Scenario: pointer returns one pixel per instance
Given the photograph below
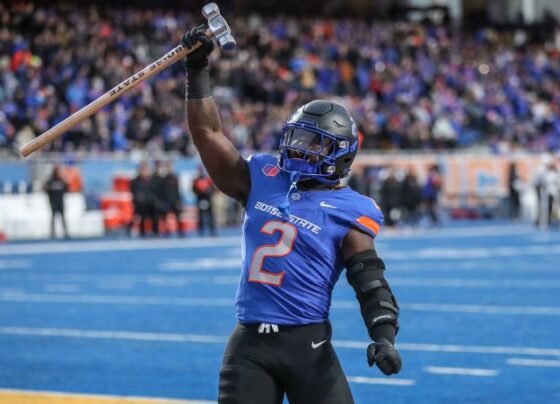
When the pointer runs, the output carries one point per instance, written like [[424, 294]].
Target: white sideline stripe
[[461, 371], [11, 291], [379, 380], [108, 299], [177, 280], [403, 282], [207, 264], [14, 264], [470, 266], [471, 253], [169, 282], [125, 335], [221, 302], [464, 308], [483, 309], [117, 245], [497, 350], [131, 399], [123, 245], [215, 339], [533, 362], [461, 232], [62, 287], [428, 254], [475, 283], [115, 285]]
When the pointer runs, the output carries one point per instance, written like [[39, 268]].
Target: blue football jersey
[[291, 258]]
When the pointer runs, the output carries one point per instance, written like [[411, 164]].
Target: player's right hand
[[385, 356], [198, 58]]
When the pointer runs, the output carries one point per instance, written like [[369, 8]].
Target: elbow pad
[[365, 273]]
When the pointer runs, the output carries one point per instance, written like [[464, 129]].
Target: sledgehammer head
[[218, 26]]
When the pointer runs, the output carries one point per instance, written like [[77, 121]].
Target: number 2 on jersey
[[282, 248]]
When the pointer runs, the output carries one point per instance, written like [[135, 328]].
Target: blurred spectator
[[158, 188], [142, 188], [167, 194], [391, 198], [430, 193], [408, 85], [411, 198], [203, 188], [547, 184], [73, 176], [233, 212], [56, 188], [514, 186], [358, 181]]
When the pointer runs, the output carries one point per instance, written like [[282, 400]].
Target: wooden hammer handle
[[115, 93]]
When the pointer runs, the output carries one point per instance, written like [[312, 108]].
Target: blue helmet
[[320, 142]]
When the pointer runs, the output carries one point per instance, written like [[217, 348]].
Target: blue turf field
[[480, 316]]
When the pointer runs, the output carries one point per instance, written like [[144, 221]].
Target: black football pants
[[262, 362]]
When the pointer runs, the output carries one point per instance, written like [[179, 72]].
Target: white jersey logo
[[318, 344], [326, 205]]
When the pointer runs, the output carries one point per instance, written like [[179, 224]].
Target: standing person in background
[[390, 198], [430, 193], [143, 199], [538, 184], [514, 184], [158, 194], [203, 188], [411, 198], [358, 181], [168, 196], [550, 192], [56, 188]]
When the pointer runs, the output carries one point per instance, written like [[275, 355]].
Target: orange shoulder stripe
[[369, 223]]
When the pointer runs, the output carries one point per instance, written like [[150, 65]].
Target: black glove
[[384, 354], [199, 58]]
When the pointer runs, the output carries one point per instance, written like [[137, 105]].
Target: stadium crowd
[[409, 86]]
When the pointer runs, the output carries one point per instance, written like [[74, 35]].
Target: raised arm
[[222, 160]]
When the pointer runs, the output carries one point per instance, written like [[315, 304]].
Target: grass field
[[108, 319]]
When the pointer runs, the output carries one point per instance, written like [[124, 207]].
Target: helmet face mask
[[307, 143], [319, 142]]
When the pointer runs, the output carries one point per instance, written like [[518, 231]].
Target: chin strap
[[284, 207], [306, 170]]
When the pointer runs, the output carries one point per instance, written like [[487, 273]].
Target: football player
[[300, 230]]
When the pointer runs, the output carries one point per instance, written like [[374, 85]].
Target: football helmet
[[320, 141]]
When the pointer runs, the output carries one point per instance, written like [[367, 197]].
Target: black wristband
[[198, 83]]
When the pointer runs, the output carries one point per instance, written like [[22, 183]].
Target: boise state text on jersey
[[291, 258]]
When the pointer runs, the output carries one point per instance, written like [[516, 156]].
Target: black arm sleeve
[[378, 305]]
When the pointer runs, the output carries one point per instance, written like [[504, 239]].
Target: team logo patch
[[270, 170]]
